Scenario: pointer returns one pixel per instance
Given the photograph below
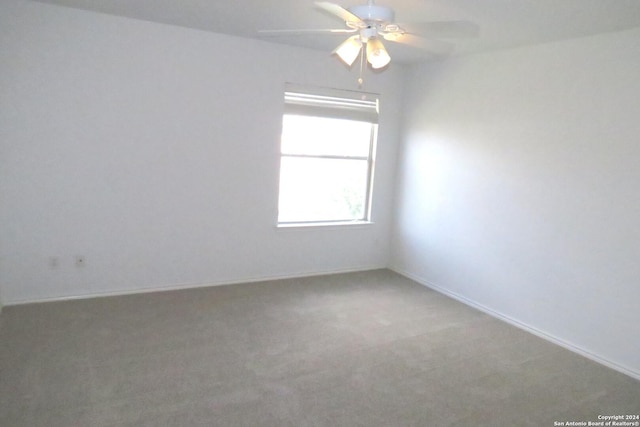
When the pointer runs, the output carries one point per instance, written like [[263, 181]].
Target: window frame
[[349, 105]]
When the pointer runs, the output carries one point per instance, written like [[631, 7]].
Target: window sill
[[325, 225]]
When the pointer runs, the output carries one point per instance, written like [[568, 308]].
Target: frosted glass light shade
[[376, 54], [349, 50]]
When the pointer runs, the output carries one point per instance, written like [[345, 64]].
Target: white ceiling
[[503, 23]]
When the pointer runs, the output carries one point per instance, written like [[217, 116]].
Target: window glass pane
[[316, 189], [325, 136]]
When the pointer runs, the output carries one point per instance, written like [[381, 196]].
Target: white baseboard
[[528, 328], [183, 286]]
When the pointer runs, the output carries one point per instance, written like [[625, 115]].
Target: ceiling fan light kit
[[377, 55], [349, 50], [369, 24]]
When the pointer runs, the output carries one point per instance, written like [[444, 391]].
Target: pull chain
[[360, 79]]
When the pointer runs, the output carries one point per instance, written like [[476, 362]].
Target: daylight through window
[[327, 156]]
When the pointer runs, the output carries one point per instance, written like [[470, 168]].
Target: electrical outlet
[[80, 261]]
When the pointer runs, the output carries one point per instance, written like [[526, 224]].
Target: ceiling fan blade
[[302, 32], [435, 47], [338, 11], [443, 29]]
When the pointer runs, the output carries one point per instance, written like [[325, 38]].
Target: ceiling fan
[[369, 24]]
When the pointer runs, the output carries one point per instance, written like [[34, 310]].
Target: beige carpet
[[361, 349]]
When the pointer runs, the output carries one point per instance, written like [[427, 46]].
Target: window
[[327, 157]]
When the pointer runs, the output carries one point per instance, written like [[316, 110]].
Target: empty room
[[309, 213]]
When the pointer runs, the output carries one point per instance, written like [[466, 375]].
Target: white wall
[[520, 189], [153, 151]]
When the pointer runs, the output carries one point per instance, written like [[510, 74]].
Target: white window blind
[[332, 103]]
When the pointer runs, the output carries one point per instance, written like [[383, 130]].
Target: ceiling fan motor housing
[[371, 12]]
